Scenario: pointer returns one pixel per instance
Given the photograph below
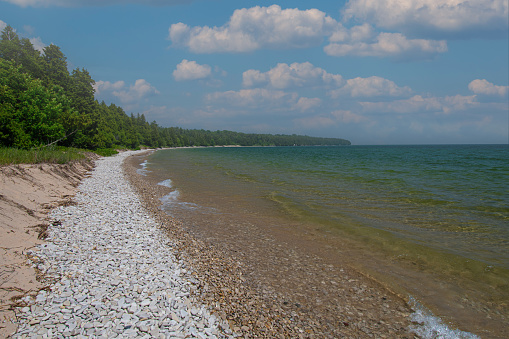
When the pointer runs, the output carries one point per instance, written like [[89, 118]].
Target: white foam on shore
[[143, 170], [170, 198], [167, 183], [171, 203], [428, 326]]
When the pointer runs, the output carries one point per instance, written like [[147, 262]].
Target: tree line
[[42, 103]]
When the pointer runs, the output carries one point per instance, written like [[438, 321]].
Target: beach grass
[[55, 155]]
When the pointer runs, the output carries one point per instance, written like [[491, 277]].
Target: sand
[[27, 193]]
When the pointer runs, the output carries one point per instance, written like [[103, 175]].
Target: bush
[[106, 152]]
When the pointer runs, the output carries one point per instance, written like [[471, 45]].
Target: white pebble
[[113, 267]]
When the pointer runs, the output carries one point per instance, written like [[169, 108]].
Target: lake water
[[439, 214]]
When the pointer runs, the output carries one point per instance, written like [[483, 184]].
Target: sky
[[370, 71]]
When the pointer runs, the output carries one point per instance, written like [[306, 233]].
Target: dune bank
[[27, 194]]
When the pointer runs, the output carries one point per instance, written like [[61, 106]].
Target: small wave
[[429, 326], [168, 183], [173, 206], [143, 170], [170, 198], [171, 202]]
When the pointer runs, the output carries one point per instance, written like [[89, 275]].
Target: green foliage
[[31, 114], [106, 152], [42, 103], [55, 155]]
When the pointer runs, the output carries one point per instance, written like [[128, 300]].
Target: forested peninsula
[[42, 103]]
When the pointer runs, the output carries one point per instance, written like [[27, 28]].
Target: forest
[[42, 103]]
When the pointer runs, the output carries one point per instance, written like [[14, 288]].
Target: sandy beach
[[27, 193]]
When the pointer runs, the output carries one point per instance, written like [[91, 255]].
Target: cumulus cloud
[[190, 70], [258, 27], [250, 29], [139, 90], [307, 104], [424, 17], [418, 104], [335, 118], [300, 75], [254, 98], [370, 87], [136, 92], [2, 25], [485, 87], [394, 45], [289, 76], [83, 3], [101, 86], [38, 44]]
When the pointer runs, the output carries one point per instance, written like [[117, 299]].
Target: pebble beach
[[111, 272], [115, 265]]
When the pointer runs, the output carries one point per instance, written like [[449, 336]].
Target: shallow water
[[432, 216]]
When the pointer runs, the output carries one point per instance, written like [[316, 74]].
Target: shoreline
[[453, 308], [270, 287], [258, 284]]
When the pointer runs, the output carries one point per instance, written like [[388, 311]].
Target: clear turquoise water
[[445, 207]]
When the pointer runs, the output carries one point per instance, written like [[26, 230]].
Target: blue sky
[[371, 71]]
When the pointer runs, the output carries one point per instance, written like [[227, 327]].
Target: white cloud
[[274, 28], [139, 90], [485, 87], [136, 92], [307, 104], [83, 3], [418, 104], [257, 97], [288, 76], [258, 27], [347, 117], [2, 25], [299, 75], [458, 103], [370, 87], [394, 45], [101, 86], [38, 44], [190, 70], [335, 118], [432, 16]]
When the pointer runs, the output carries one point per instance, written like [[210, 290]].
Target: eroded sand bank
[[27, 193]]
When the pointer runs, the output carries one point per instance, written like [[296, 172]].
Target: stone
[[114, 272]]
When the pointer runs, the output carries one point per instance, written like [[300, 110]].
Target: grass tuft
[[54, 155]]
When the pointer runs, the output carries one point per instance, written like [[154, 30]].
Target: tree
[[55, 68], [31, 114]]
